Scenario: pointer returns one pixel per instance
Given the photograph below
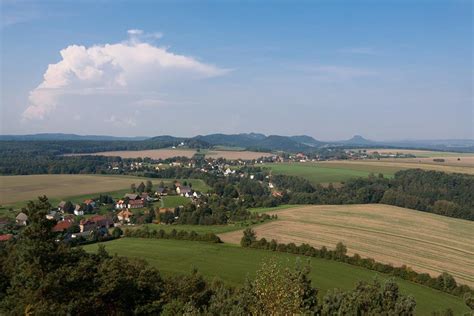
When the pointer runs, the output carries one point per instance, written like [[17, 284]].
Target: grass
[[322, 173], [172, 201], [423, 241], [200, 229], [232, 264]]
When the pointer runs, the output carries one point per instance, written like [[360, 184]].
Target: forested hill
[[253, 141]]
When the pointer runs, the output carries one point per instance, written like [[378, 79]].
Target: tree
[[68, 207], [133, 188], [117, 232], [141, 187], [340, 251], [249, 237], [149, 186]]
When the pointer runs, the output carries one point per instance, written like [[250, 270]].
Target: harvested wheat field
[[236, 154], [425, 242], [20, 188]]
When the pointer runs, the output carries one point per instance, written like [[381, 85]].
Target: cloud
[[131, 66]]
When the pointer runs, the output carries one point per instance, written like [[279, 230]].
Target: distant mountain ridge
[[256, 141], [61, 136]]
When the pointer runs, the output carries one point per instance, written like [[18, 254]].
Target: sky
[[387, 70]]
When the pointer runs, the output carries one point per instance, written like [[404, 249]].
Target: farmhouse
[[61, 206], [136, 204], [182, 190], [53, 215], [62, 226], [89, 202], [21, 219], [161, 191], [125, 216], [78, 211], [97, 221]]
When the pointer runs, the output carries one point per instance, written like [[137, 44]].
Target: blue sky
[[329, 69]]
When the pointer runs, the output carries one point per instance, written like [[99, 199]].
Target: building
[[21, 219], [182, 190], [125, 216], [96, 221], [78, 211], [62, 226]]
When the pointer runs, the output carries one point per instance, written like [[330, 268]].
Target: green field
[[323, 173], [232, 264], [200, 229], [172, 201]]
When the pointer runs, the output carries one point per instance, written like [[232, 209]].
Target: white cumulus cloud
[[113, 68]]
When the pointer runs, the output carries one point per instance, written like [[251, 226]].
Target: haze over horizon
[[321, 69]]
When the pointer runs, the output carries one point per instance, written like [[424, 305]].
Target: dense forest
[[39, 276]]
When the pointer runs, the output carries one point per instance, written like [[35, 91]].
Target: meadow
[[337, 171], [324, 173], [233, 264], [425, 242]]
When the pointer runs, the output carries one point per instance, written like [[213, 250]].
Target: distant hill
[[307, 140], [60, 136], [254, 141], [358, 140]]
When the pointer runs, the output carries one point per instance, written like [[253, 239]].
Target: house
[[61, 206], [96, 221], [89, 202], [161, 191], [21, 219], [136, 204], [78, 211], [132, 196], [146, 197], [182, 190], [125, 216], [5, 237], [120, 205], [62, 226], [53, 215]]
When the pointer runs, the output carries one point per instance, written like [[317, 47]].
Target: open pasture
[[232, 264], [425, 242], [330, 172]]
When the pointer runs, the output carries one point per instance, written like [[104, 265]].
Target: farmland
[[16, 189], [342, 170], [324, 172], [232, 264], [426, 242], [171, 152], [419, 153]]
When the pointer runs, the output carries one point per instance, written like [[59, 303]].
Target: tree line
[[39, 276], [444, 282], [448, 194]]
